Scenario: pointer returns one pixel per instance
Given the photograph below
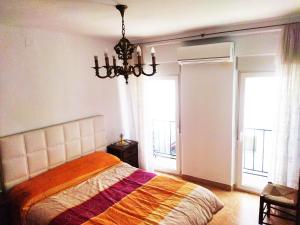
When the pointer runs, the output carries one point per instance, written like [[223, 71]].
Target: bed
[[62, 175]]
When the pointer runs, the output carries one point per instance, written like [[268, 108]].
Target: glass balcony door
[[160, 112], [258, 105]]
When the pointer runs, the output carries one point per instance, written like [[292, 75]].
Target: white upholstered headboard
[[30, 153]]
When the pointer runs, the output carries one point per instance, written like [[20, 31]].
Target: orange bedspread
[[24, 195], [99, 189], [124, 195]]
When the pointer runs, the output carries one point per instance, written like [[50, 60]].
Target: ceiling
[[143, 18]]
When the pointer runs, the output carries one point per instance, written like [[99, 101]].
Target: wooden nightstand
[[127, 153], [3, 210]]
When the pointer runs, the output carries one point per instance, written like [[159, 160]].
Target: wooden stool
[[281, 197]]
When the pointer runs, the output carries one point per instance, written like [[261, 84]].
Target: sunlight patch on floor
[[253, 181], [163, 163]]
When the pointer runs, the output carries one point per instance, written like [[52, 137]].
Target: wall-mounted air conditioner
[[219, 52]]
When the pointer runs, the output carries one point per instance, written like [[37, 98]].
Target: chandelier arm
[[108, 72], [133, 69], [106, 76], [153, 70], [97, 69], [122, 71], [112, 75], [117, 70]]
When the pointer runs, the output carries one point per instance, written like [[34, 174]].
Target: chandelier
[[124, 50]]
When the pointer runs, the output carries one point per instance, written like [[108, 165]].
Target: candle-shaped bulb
[[153, 56], [152, 51], [96, 61], [139, 54], [105, 53], [139, 50], [106, 58], [114, 60]]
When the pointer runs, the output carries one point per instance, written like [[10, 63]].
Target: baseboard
[[197, 180], [236, 188]]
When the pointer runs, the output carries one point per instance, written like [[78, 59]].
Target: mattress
[[116, 193]]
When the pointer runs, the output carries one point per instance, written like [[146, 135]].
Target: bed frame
[[27, 154]]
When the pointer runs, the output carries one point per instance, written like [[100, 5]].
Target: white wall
[[46, 78], [216, 163]]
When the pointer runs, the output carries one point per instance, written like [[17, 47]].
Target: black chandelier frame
[[124, 50]]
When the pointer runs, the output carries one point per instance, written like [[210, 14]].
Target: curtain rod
[[220, 32]]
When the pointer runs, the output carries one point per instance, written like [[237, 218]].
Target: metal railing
[[164, 138], [257, 144]]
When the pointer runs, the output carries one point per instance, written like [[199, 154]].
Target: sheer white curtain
[[286, 155], [133, 119]]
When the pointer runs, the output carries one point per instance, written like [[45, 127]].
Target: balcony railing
[[164, 138], [257, 146]]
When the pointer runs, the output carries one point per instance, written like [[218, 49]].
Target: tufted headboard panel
[[28, 154]]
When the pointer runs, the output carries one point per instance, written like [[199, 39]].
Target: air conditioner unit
[[219, 52]]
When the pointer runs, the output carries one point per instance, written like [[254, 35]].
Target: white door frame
[[241, 102]]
